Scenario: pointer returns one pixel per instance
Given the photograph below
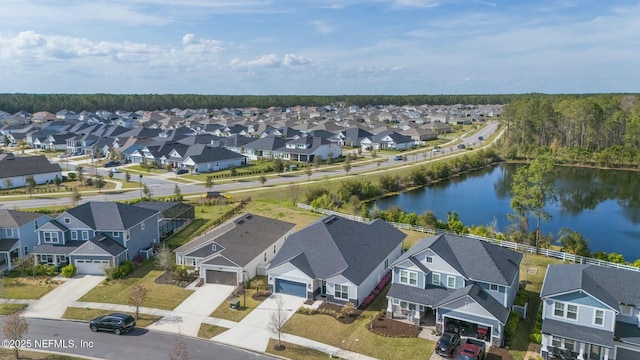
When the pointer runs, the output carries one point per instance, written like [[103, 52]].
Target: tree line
[[32, 103], [600, 130]]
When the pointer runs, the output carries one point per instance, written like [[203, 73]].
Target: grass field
[[224, 312], [159, 296], [208, 331], [14, 286], [88, 314], [8, 309], [295, 352]]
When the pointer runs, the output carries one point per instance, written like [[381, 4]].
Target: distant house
[[388, 140], [338, 259], [14, 170], [96, 235], [590, 312], [214, 159], [237, 250], [18, 235]]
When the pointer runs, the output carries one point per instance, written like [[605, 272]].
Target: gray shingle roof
[[430, 296], [108, 244], [11, 166], [50, 249], [335, 245], [578, 333], [474, 259], [609, 285], [15, 218], [110, 215], [243, 238], [627, 333], [481, 297], [7, 244]]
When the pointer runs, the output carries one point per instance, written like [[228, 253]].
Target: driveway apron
[[186, 318], [255, 326], [55, 303]]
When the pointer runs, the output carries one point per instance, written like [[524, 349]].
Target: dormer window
[[214, 247], [67, 220], [429, 259]]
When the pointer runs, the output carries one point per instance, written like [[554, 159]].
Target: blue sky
[[319, 47]]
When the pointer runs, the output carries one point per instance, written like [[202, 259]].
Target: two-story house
[[96, 235], [18, 234], [590, 312], [465, 285]]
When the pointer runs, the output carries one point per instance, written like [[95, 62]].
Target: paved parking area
[[186, 318]]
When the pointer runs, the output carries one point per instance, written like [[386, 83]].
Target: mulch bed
[[495, 353], [262, 296], [337, 308], [392, 328], [169, 278]]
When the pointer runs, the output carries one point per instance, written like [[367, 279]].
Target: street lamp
[[140, 186]]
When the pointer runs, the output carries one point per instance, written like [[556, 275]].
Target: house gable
[[467, 305]]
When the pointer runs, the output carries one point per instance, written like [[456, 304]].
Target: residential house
[[307, 148], [590, 312], [354, 135], [96, 235], [214, 159], [18, 235], [388, 140], [462, 284], [236, 251], [339, 259], [14, 170]]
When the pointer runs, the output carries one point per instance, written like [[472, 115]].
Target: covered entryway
[[91, 267], [291, 288], [221, 277], [626, 354]]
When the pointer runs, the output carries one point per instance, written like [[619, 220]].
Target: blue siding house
[[590, 312], [18, 235], [96, 235], [464, 285]]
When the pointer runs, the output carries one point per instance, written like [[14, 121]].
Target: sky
[[319, 47]]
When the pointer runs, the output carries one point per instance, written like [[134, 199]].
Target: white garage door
[[92, 267]]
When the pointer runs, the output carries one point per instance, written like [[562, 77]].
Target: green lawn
[[88, 314], [225, 312], [208, 331], [14, 286], [159, 296], [357, 337], [8, 309], [295, 352]]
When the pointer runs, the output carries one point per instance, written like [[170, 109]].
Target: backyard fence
[[507, 244]]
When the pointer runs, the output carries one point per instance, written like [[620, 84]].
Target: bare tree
[[31, 184], [75, 196], [14, 329], [278, 318], [165, 258], [293, 191], [258, 284], [179, 350], [136, 297]]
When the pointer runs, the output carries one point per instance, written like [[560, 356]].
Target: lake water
[[602, 205]]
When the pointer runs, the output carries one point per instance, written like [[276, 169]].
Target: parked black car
[[116, 322], [111, 163], [448, 344], [181, 171]]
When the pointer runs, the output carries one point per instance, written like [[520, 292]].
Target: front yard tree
[[100, 183], [147, 192], [309, 172], [57, 181], [262, 179], [258, 284], [80, 173], [14, 329], [31, 184], [177, 193], [278, 318], [573, 242], [75, 196], [127, 176], [278, 165], [208, 182], [165, 258], [136, 297], [233, 171], [347, 167]]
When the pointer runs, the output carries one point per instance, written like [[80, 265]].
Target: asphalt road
[[75, 338], [163, 187]]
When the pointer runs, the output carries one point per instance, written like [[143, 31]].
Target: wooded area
[[601, 130]]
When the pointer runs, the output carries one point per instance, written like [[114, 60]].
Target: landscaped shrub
[[119, 272], [69, 271], [511, 326], [306, 311], [45, 269], [521, 298]]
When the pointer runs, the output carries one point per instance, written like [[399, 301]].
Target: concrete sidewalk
[[255, 326], [55, 303], [187, 317]]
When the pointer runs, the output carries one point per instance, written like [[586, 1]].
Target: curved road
[[163, 187], [75, 338]]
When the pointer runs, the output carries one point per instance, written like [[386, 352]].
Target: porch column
[[8, 257], [543, 343], [35, 260], [606, 353], [581, 351]]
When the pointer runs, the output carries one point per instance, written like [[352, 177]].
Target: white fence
[[508, 244]]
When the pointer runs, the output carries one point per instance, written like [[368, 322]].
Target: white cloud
[[270, 61], [417, 3], [294, 60], [322, 27]]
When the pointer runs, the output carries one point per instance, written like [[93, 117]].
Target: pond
[[602, 205]]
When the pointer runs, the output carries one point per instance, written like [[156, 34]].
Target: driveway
[[55, 303], [255, 326], [186, 318]]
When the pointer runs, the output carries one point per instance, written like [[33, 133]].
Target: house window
[[116, 234], [85, 235], [50, 238], [409, 277], [598, 317], [386, 264], [265, 256], [626, 310], [342, 292], [67, 220], [565, 310], [429, 259], [74, 235], [274, 249], [142, 225], [35, 224], [9, 232], [556, 342], [572, 312], [494, 287], [435, 279], [451, 281], [127, 235], [558, 309], [569, 344]]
